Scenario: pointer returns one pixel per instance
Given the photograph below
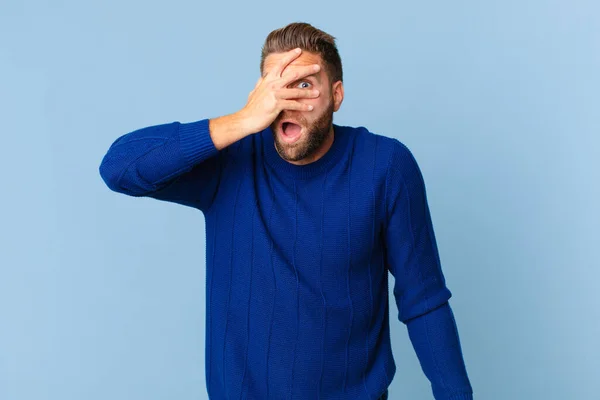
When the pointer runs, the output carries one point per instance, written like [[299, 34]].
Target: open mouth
[[291, 131]]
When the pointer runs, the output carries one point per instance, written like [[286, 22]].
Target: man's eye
[[303, 83]]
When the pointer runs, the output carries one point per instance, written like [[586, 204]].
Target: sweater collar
[[323, 164]]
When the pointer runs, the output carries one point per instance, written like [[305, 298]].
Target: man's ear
[[338, 95]]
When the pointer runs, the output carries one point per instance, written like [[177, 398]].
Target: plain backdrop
[[102, 295]]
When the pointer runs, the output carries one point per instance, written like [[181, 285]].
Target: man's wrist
[[228, 129]]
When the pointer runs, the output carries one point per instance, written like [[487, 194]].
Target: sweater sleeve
[[419, 285], [175, 162], [434, 336], [411, 249]]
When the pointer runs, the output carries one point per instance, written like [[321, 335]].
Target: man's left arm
[[420, 288]]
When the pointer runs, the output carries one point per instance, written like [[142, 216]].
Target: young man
[[303, 220]]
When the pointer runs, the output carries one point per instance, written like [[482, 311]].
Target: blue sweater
[[297, 260]]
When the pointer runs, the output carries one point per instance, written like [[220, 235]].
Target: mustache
[[296, 118]]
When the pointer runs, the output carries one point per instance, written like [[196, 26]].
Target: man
[[303, 220]]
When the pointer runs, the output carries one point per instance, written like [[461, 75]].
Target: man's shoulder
[[389, 148]]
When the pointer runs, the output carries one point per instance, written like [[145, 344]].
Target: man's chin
[[289, 151]]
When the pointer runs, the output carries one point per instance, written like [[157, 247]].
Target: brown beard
[[316, 134]]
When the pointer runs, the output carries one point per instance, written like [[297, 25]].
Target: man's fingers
[[283, 63], [295, 105], [287, 94], [299, 73]]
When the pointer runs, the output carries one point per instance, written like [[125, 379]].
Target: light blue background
[[102, 295]]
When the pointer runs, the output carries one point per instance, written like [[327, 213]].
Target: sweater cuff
[[196, 142], [461, 396]]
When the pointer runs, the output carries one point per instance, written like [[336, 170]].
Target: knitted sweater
[[297, 260]]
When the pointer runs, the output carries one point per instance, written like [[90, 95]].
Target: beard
[[315, 134]]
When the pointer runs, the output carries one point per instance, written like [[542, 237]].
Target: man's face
[[315, 126]]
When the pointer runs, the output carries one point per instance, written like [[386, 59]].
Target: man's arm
[[182, 163], [434, 337], [174, 162], [420, 288]]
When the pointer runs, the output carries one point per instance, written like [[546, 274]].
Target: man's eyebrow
[[315, 75]]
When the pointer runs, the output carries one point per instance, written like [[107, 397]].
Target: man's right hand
[[269, 97], [271, 94]]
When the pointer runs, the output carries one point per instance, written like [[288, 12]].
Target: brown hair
[[308, 38]]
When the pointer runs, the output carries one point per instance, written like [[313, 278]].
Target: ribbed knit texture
[[297, 260]]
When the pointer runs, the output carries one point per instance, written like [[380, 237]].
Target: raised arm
[[177, 162], [182, 162], [420, 289]]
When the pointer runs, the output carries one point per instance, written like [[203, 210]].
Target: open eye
[[308, 83]]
